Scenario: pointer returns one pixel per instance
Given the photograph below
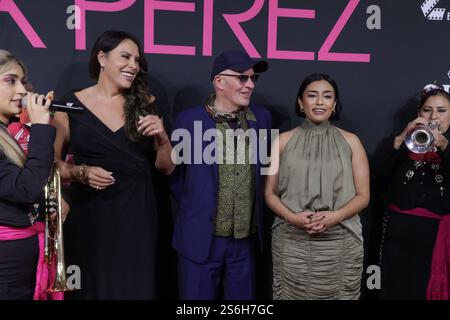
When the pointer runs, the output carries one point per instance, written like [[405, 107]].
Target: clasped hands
[[314, 222]]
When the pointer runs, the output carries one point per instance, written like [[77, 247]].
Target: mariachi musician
[[23, 273]]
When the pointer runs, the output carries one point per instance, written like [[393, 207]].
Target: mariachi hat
[[238, 61]]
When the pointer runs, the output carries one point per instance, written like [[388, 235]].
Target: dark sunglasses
[[243, 78]]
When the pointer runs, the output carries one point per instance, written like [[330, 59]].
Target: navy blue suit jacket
[[195, 186]]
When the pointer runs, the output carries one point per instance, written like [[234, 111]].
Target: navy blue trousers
[[230, 265]]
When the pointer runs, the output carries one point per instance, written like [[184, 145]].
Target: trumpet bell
[[420, 139]]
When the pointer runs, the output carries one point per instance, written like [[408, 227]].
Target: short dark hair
[[318, 77]]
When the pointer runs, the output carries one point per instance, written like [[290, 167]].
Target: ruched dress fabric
[[316, 174]]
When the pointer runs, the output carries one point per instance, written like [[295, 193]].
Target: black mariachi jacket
[[409, 183]]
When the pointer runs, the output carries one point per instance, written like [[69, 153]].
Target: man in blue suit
[[218, 183]]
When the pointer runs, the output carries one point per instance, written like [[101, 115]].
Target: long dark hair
[[138, 101], [318, 77]]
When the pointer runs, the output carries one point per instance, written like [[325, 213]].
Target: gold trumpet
[[54, 245]]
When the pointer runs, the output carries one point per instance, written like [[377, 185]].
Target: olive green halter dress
[[316, 174]]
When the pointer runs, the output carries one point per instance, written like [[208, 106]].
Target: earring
[[302, 110], [102, 67]]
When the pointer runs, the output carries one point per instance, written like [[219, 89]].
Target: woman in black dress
[[413, 252], [116, 142], [22, 180]]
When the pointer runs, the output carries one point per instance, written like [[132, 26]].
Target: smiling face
[[12, 90], [437, 108], [318, 101], [121, 65], [231, 92]]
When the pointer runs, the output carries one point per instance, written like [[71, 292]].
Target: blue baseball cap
[[238, 61]]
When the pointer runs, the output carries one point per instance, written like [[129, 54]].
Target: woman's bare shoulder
[[285, 137], [352, 139], [85, 93]]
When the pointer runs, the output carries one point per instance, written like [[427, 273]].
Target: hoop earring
[[102, 67], [302, 110]]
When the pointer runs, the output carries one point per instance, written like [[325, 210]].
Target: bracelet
[[80, 174]]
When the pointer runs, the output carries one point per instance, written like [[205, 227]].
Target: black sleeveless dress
[[110, 234]]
